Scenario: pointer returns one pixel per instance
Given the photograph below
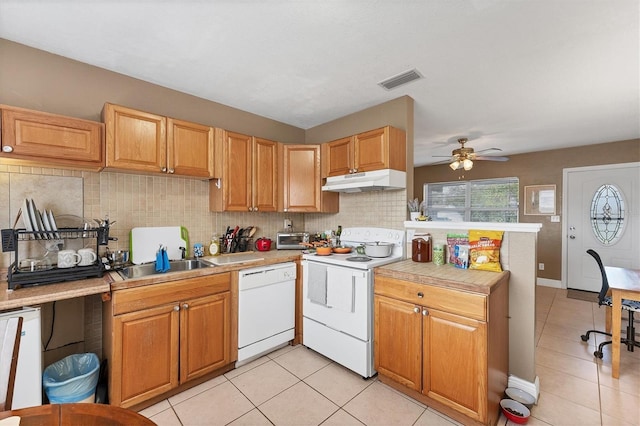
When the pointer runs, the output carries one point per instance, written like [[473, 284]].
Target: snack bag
[[461, 252], [452, 240], [485, 250]]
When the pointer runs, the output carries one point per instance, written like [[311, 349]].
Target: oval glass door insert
[[607, 214]]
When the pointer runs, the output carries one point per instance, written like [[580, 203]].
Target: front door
[[602, 212]]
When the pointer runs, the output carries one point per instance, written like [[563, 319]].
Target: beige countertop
[[30, 296], [442, 275]]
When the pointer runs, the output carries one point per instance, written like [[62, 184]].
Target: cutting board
[[145, 241]]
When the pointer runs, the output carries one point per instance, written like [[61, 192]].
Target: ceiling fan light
[[467, 164], [454, 165]]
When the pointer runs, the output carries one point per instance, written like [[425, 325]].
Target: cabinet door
[[338, 157], [42, 137], [265, 176], [455, 354], [398, 341], [236, 178], [301, 169], [189, 149], [136, 140], [205, 332], [145, 354], [371, 150]]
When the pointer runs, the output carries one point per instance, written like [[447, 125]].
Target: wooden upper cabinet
[[338, 157], [146, 142], [302, 183], [265, 175], [136, 140], [249, 178], [42, 138], [189, 148], [384, 148]]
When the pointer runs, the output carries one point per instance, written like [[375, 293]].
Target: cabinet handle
[[176, 308], [425, 312], [185, 306], [7, 148], [420, 294], [416, 310]]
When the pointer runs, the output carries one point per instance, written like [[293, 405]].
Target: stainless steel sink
[[139, 271]]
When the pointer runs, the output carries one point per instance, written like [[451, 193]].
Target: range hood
[[367, 181]]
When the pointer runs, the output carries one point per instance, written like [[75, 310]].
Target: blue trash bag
[[72, 379]]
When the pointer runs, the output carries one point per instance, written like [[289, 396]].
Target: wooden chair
[[10, 331]]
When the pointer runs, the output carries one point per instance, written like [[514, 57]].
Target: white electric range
[[337, 303]]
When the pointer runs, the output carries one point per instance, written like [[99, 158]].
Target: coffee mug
[[68, 258], [87, 256]]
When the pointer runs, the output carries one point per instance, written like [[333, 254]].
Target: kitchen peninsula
[[441, 336], [518, 256]]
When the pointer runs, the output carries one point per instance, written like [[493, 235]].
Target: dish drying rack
[[12, 238]]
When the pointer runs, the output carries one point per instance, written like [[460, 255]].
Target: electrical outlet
[[540, 266], [287, 224]]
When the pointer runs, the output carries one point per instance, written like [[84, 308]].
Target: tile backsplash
[[133, 200]]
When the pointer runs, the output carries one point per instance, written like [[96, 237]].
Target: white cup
[[68, 258], [87, 256]]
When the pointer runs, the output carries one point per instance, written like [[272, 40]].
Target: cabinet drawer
[[134, 299], [453, 301]]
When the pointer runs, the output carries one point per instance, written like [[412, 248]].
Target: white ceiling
[[517, 75]]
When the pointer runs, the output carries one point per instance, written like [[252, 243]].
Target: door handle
[[573, 237]]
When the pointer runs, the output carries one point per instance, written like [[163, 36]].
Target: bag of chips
[[484, 247]]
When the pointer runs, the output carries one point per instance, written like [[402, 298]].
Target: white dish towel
[[317, 284], [340, 289]]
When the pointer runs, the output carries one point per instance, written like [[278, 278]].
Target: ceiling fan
[[463, 157]]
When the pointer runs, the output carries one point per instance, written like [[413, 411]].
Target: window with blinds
[[487, 200]]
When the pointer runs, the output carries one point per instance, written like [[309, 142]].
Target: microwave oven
[[291, 240]]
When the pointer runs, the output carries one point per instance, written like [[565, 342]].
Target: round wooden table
[[77, 414]]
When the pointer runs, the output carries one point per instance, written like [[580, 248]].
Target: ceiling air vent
[[400, 79]]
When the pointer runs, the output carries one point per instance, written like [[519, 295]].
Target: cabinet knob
[[185, 306], [255, 209], [416, 310], [420, 294], [250, 209], [7, 148], [171, 171], [425, 312], [350, 170], [163, 170], [176, 308]]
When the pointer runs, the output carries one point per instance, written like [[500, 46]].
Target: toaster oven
[[291, 240]]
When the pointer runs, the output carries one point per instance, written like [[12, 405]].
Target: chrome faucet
[[184, 252]]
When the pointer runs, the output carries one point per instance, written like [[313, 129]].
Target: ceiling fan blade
[[488, 150], [441, 156], [492, 158]]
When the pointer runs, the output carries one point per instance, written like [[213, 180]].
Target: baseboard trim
[[522, 384], [546, 282]]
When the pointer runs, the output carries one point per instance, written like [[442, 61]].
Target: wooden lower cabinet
[[161, 336], [445, 359]]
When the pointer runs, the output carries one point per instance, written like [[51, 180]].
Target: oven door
[[338, 297]]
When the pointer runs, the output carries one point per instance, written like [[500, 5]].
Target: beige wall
[[537, 168], [32, 78]]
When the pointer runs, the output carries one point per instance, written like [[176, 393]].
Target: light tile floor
[[297, 386]]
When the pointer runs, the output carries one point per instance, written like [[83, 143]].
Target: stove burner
[[358, 258]]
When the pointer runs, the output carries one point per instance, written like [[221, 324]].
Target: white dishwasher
[[266, 309]]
